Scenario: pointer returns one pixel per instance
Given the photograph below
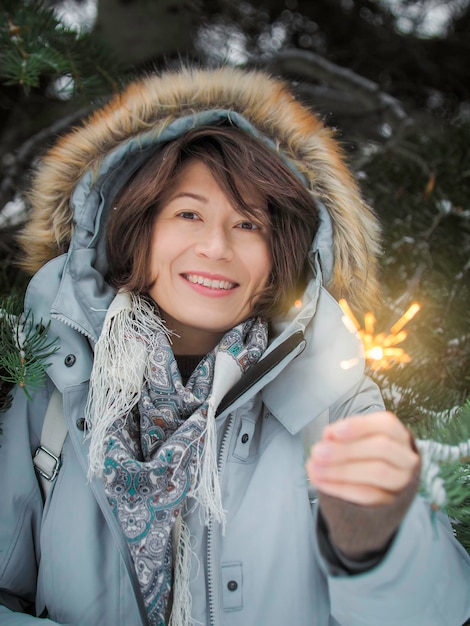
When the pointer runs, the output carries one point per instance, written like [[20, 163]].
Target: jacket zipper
[[284, 349], [211, 596], [68, 322]]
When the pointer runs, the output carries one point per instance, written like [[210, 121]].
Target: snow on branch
[[339, 82], [19, 162]]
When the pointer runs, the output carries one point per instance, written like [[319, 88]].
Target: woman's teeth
[[207, 282]]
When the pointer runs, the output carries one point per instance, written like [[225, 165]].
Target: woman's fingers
[[372, 448], [365, 495], [373, 473], [360, 426], [366, 459]]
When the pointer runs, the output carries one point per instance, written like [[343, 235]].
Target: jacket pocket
[[232, 586]]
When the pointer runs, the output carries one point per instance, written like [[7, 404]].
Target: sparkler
[[380, 350]]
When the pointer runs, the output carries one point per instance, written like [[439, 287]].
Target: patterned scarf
[[153, 440]]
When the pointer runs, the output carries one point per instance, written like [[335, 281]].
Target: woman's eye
[[248, 226], [188, 215]]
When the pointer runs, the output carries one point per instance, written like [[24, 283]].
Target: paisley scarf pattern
[[159, 454]]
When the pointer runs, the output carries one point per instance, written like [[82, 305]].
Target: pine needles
[[446, 469], [36, 47], [24, 350]]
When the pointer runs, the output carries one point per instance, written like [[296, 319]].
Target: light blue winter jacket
[[69, 560]]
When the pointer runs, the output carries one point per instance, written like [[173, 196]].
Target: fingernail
[[322, 451], [342, 428]]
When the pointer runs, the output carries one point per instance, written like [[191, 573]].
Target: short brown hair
[[239, 162]]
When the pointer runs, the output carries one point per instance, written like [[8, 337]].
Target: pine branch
[[24, 349], [445, 474], [314, 68], [36, 46], [24, 155]]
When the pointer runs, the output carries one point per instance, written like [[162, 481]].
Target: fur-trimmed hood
[[159, 105]]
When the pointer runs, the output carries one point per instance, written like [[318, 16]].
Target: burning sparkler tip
[[378, 348]]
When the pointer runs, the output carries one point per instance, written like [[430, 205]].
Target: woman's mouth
[[211, 283]]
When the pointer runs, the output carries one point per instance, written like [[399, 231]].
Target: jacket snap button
[[245, 438], [80, 423], [232, 585], [70, 360]]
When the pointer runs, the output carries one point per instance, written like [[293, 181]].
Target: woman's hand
[[366, 470], [365, 459]]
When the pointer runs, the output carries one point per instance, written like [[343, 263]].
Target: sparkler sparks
[[380, 350]]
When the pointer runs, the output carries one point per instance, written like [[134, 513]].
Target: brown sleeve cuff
[[338, 563]]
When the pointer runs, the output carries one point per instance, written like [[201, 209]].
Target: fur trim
[[152, 103]]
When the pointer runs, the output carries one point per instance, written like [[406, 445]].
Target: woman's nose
[[214, 243]]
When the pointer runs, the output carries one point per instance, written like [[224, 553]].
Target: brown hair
[[238, 162]]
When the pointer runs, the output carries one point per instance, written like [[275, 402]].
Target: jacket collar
[[321, 358], [330, 367]]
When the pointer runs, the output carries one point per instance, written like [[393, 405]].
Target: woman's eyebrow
[[190, 194]]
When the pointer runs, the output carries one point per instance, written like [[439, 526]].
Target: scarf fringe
[[182, 601], [207, 491], [119, 368]]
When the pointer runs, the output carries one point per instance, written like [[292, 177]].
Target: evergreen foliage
[[36, 47], [24, 350], [446, 469]]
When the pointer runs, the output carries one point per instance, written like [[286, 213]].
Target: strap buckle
[[47, 466]]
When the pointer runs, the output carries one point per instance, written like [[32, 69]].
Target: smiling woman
[[201, 228]]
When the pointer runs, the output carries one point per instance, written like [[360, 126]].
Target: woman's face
[[208, 262]]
